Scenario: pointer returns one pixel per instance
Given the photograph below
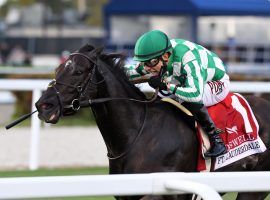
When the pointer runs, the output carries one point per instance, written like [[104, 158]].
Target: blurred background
[[37, 35]]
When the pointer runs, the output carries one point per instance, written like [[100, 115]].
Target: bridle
[[76, 103]]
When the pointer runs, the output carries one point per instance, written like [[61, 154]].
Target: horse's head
[[72, 83], [86, 75]]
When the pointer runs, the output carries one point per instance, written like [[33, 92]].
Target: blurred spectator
[[28, 59], [4, 52], [64, 56], [18, 57]]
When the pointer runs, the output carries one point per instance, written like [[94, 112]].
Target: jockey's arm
[[137, 74], [194, 83]]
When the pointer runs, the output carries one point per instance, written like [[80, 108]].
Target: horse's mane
[[116, 62]]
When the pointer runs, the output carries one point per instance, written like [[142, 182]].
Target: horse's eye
[[78, 72], [68, 63]]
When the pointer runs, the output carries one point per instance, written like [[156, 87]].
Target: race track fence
[[206, 185], [38, 85]]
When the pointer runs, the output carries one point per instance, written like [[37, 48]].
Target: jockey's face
[[154, 66]]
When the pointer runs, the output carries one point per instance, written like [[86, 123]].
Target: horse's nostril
[[46, 106]]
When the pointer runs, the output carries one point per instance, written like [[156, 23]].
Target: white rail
[[205, 185], [37, 85]]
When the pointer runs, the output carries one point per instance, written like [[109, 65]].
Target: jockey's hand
[[155, 82]]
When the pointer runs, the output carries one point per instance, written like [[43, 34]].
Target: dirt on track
[[58, 147]]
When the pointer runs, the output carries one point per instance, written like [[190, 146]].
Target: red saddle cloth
[[234, 116]]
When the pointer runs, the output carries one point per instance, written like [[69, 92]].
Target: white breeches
[[216, 91]]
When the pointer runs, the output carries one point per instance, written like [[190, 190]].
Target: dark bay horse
[[140, 137]]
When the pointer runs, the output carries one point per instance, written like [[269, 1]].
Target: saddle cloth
[[234, 116]]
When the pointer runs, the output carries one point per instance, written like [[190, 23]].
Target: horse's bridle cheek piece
[[75, 103]]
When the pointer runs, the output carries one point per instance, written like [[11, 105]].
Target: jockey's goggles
[[151, 63]]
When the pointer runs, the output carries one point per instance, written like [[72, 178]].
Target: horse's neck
[[120, 120]]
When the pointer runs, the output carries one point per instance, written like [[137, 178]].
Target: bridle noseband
[[75, 104]]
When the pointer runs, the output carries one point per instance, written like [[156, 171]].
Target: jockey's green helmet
[[151, 45]]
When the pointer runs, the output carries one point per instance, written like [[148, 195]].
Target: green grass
[[75, 171], [55, 172]]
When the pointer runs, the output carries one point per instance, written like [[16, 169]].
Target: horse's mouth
[[54, 118], [50, 115]]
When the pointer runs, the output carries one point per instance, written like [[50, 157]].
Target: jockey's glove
[[155, 82]]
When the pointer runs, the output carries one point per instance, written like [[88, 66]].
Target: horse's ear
[[86, 48], [98, 50]]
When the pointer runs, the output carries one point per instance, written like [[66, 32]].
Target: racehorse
[[141, 135]]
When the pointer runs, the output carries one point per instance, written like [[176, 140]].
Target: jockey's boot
[[201, 115]]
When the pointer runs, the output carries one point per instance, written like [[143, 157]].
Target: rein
[[76, 104], [109, 154], [91, 102]]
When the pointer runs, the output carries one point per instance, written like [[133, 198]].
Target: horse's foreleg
[[252, 196]]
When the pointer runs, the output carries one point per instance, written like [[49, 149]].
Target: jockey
[[189, 72]]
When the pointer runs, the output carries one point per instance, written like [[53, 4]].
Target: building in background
[[237, 33]]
